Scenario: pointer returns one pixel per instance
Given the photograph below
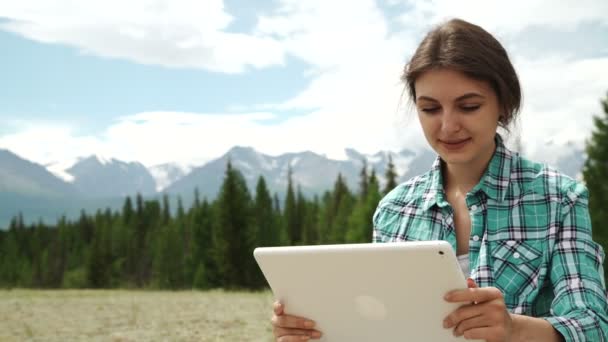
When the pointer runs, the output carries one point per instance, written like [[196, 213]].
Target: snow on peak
[[59, 170], [166, 174], [103, 160]]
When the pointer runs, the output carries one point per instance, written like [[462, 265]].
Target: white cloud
[[355, 61], [561, 97], [509, 16], [46, 142], [176, 33]]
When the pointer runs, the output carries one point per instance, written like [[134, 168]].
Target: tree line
[[210, 244], [146, 244]]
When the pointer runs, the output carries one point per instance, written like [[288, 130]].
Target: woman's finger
[[289, 321], [278, 308], [461, 314], [293, 338], [472, 323], [473, 295], [282, 332], [484, 333]]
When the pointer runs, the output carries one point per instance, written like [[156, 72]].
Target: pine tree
[[267, 232], [342, 203], [301, 213], [291, 216], [595, 172], [166, 210], [197, 199], [201, 281], [202, 240], [325, 218], [391, 175], [281, 227], [169, 261], [310, 220], [360, 222], [98, 267], [233, 233], [127, 211], [363, 181]]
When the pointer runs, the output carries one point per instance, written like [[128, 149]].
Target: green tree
[[98, 267], [202, 235], [341, 205], [293, 225], [363, 181], [166, 210], [360, 223], [595, 172], [169, 261], [233, 234], [310, 231], [265, 223], [390, 175]]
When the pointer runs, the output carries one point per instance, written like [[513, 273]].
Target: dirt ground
[[124, 315]]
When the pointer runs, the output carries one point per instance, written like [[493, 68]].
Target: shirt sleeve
[[580, 307], [377, 235]]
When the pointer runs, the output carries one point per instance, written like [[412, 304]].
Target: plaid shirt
[[530, 238]]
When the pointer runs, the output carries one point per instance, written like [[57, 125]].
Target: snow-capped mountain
[[312, 172], [20, 176], [166, 174], [95, 182], [100, 177]]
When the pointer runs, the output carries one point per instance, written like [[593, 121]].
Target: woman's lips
[[454, 145]]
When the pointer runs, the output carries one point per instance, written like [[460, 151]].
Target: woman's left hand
[[484, 317]]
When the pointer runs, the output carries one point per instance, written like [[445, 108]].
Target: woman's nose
[[450, 122]]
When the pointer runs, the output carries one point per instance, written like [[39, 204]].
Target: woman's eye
[[430, 109], [470, 108]]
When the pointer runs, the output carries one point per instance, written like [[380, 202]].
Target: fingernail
[[304, 338], [447, 296], [309, 324], [316, 334], [446, 323]]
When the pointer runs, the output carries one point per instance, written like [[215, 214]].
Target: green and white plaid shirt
[[530, 237]]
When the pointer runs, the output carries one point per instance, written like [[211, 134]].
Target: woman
[[521, 230]]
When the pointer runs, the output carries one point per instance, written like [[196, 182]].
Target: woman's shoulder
[[541, 178], [412, 190]]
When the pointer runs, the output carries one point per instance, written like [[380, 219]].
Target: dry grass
[[121, 315]]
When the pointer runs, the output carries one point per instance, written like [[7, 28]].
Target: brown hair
[[468, 48]]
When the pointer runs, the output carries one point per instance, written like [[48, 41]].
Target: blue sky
[[183, 81]]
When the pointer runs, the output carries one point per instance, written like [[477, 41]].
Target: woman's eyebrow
[[468, 96], [459, 98]]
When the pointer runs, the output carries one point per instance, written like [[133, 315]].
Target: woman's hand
[[484, 317], [289, 328]]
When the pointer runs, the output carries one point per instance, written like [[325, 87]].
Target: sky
[[184, 80]]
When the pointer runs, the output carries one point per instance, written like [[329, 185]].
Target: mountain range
[[45, 193]]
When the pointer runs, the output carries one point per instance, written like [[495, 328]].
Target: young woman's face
[[459, 115]]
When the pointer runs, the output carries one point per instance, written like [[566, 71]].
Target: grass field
[[123, 315]]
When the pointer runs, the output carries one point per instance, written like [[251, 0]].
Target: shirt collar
[[494, 182]]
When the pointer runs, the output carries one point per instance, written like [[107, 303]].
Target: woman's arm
[[579, 310], [527, 328]]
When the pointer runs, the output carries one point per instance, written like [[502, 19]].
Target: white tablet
[[367, 292]]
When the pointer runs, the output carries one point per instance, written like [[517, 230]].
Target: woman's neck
[[461, 178]]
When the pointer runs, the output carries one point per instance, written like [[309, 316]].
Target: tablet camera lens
[[440, 252]]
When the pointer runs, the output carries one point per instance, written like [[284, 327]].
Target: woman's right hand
[[289, 328]]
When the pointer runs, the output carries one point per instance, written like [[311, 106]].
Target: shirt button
[[473, 207], [516, 255], [476, 238]]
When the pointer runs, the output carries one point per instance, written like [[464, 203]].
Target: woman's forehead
[[448, 84]]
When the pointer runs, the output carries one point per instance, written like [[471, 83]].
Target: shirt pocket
[[516, 265]]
